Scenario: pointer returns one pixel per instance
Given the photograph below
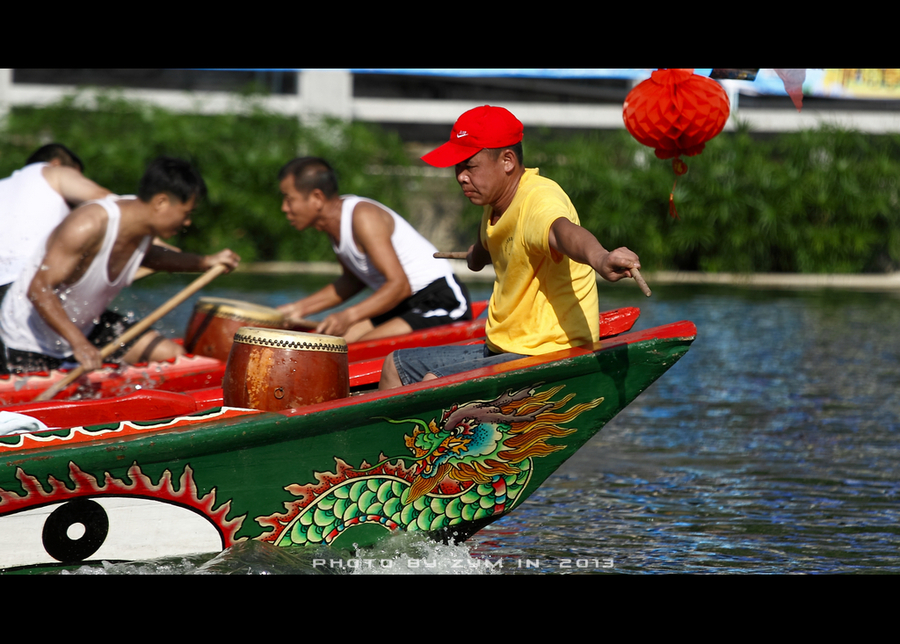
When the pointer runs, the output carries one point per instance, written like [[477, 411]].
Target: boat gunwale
[[627, 338]]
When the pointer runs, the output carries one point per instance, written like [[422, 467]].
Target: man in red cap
[[545, 293]]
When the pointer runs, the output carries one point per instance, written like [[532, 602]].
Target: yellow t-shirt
[[542, 300]]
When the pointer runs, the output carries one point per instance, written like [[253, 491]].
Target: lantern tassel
[[672, 211], [680, 167]]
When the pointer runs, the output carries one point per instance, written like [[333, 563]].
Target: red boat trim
[[684, 330], [86, 434]]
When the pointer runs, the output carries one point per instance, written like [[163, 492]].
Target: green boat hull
[[445, 458]]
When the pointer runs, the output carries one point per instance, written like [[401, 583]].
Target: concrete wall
[[330, 93]]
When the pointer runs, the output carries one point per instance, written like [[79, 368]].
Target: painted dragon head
[[479, 440]]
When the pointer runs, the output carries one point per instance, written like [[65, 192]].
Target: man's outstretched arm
[[580, 244]]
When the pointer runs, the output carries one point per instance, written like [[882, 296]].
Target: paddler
[[55, 311], [34, 200], [376, 248], [545, 292]]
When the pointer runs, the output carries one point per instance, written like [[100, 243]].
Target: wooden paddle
[[635, 273], [143, 272], [137, 329]]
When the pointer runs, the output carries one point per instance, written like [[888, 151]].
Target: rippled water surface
[[771, 447]]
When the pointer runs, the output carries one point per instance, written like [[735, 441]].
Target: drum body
[[215, 320], [270, 369]]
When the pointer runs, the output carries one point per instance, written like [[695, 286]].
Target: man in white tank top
[[377, 249], [34, 199], [88, 259]]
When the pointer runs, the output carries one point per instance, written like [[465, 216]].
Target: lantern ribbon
[[680, 167]]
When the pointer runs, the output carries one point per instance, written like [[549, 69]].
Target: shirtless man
[[377, 248], [59, 300], [34, 199]]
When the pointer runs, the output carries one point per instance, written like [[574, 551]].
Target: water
[[771, 447]]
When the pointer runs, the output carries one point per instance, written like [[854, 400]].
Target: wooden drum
[[272, 369], [215, 321]]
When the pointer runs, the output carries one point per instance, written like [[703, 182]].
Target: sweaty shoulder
[[85, 226], [74, 243]]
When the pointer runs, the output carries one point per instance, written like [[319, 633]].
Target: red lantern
[[676, 112]]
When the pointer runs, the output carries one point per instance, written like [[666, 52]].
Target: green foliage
[[239, 156], [812, 201]]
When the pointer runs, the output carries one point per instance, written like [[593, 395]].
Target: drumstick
[[635, 273], [138, 328]]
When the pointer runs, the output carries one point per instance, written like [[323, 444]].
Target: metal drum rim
[[290, 340]]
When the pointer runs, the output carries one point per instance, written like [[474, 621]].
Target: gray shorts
[[413, 364]]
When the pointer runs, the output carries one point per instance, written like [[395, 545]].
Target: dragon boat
[[445, 457]]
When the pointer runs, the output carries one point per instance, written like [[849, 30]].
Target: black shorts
[[111, 326], [434, 305]]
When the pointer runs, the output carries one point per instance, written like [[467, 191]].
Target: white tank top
[[416, 254], [29, 209], [22, 328]]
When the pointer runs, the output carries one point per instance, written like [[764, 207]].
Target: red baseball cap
[[479, 128]]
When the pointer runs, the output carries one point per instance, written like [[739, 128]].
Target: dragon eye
[[464, 427], [110, 528], [75, 530]]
